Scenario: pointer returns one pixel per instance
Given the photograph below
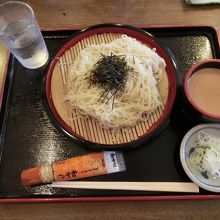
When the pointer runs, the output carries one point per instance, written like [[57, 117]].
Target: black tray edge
[[3, 94]]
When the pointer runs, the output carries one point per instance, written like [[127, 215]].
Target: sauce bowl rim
[[189, 73]]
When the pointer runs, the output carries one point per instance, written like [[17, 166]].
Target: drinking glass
[[20, 32]]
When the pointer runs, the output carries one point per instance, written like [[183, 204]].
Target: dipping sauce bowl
[[201, 98]]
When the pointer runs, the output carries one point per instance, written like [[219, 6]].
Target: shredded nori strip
[[110, 73]]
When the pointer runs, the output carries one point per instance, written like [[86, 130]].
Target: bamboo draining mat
[[88, 128]]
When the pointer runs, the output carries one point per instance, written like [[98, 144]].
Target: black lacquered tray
[[29, 138]]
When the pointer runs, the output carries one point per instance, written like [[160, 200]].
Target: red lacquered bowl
[[192, 108], [87, 132]]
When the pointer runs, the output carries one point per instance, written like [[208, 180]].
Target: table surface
[[83, 13]]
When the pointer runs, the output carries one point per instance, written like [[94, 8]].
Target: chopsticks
[[142, 186]]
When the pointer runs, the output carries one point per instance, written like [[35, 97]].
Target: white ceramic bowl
[[186, 148]]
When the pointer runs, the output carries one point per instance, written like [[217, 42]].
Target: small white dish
[[186, 148]]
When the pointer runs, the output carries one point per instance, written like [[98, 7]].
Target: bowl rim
[[189, 73], [184, 163], [146, 38]]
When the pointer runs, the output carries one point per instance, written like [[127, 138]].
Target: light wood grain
[[134, 210], [82, 13], [53, 13], [3, 62]]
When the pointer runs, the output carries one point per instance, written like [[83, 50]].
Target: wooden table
[[70, 13]]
